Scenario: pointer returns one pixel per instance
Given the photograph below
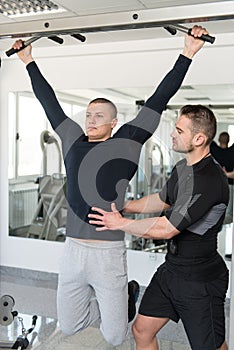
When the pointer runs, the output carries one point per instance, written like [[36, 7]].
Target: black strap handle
[[34, 321]]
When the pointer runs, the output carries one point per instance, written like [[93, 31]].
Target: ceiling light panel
[[20, 8]]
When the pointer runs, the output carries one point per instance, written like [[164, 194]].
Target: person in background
[[191, 284], [93, 274], [229, 174], [225, 157]]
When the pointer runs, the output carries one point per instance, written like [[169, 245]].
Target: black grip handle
[[78, 36], [171, 30], [204, 37], [56, 38], [11, 51]]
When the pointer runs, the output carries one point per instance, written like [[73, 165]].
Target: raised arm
[[147, 120], [173, 80], [42, 89]]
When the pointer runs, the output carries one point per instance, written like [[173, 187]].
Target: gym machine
[[7, 317]]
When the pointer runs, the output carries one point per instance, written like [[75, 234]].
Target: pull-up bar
[[171, 28]]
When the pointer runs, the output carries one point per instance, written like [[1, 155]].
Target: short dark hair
[[105, 100], [224, 137], [203, 120]]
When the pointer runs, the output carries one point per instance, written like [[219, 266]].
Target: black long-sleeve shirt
[[98, 173]]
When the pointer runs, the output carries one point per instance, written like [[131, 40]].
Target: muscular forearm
[[149, 204], [154, 228]]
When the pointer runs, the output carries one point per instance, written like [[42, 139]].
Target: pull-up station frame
[[164, 18]]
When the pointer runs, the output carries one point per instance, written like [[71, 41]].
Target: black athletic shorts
[[199, 305]]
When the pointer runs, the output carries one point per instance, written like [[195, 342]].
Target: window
[[231, 134], [27, 121], [31, 122]]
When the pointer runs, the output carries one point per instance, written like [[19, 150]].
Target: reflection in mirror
[[37, 180], [37, 205]]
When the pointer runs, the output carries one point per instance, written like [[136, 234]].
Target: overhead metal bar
[[172, 29], [212, 106], [120, 21]]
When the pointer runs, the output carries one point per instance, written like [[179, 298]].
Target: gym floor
[[35, 294]]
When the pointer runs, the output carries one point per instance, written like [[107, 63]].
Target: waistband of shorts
[[97, 244]]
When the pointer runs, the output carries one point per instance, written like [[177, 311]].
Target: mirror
[[37, 179]]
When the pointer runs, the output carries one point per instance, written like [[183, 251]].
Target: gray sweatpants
[[93, 286]]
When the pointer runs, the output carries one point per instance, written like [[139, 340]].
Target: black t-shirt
[[224, 156], [198, 196]]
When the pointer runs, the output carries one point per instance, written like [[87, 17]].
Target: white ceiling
[[216, 15], [218, 97], [88, 14]]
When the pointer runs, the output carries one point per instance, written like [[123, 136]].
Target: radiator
[[22, 205]]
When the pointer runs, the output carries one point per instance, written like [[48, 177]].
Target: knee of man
[[114, 339], [137, 330]]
